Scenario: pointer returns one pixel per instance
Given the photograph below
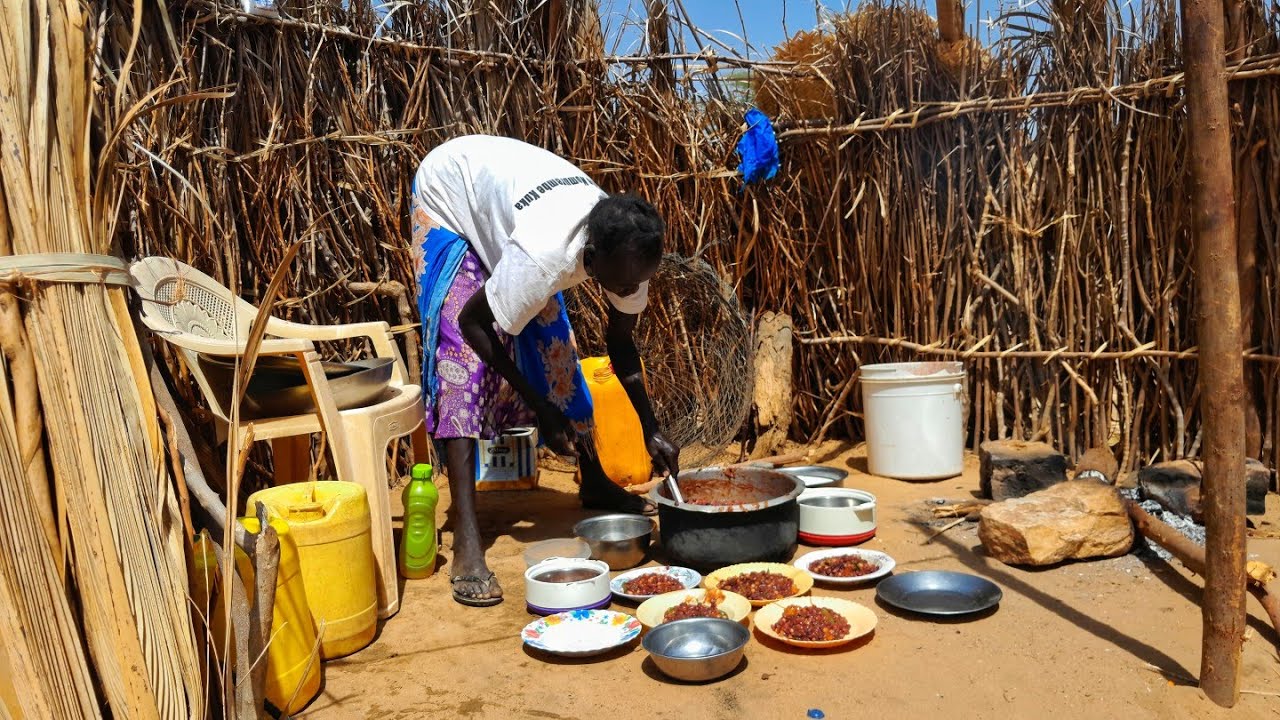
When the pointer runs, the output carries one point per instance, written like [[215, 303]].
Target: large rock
[[1097, 461], [1013, 468], [1176, 486], [1069, 521]]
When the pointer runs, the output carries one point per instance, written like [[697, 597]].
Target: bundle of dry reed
[[43, 670], [116, 515]]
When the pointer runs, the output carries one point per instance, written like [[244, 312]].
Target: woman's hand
[[477, 324], [665, 454], [555, 429]]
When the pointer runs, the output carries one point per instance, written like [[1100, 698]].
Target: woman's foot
[[473, 582], [477, 590]]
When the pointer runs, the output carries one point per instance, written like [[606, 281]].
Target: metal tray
[[939, 592]]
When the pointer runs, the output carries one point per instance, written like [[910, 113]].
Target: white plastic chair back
[[185, 300], [180, 302]]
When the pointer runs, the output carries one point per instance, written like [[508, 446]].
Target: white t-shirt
[[524, 212]]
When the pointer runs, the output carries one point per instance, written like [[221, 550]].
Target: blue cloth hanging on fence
[[758, 148]]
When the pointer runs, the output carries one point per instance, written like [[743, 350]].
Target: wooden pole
[[1221, 364], [1241, 32], [663, 74], [951, 20]]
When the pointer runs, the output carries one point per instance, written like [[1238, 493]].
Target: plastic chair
[[200, 316]]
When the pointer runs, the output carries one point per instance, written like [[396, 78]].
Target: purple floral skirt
[[472, 400]]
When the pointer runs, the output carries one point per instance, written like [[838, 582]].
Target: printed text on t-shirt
[[542, 188]]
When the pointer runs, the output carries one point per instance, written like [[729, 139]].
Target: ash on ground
[[1184, 525]]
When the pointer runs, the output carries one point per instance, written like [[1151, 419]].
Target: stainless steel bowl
[[698, 649], [621, 540]]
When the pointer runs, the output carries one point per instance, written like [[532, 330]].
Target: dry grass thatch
[[95, 570], [1022, 200]]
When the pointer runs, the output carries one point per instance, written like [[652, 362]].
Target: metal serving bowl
[[620, 539], [698, 649]]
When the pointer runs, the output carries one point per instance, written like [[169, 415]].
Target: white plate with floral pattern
[[581, 633]]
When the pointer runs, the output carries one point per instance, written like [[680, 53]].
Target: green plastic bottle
[[418, 540]]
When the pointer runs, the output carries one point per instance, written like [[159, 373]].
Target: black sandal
[[474, 601]]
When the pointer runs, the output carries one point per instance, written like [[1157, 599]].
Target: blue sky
[[766, 22]]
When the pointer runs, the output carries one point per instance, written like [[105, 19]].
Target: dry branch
[[1193, 557]]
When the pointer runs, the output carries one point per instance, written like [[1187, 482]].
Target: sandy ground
[[1081, 640]]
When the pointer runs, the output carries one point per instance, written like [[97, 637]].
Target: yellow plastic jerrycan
[[293, 671], [329, 521], [618, 435], [206, 592]]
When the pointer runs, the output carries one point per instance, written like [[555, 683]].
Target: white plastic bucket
[[914, 415]]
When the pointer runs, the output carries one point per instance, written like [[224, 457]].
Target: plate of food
[[581, 633], [698, 602], [760, 582], [815, 622], [643, 583], [845, 566]]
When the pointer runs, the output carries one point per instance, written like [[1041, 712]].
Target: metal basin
[[278, 388], [698, 649], [763, 527], [621, 540]]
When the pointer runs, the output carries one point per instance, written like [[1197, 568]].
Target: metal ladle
[[674, 488]]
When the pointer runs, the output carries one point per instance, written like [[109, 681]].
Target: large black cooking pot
[[761, 527]]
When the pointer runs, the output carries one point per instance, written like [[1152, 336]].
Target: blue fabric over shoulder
[[442, 256], [758, 148]]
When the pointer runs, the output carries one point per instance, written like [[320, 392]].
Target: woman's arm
[[476, 321], [620, 341]]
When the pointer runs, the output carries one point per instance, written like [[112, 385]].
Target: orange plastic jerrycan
[[618, 435], [329, 521], [293, 669]]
